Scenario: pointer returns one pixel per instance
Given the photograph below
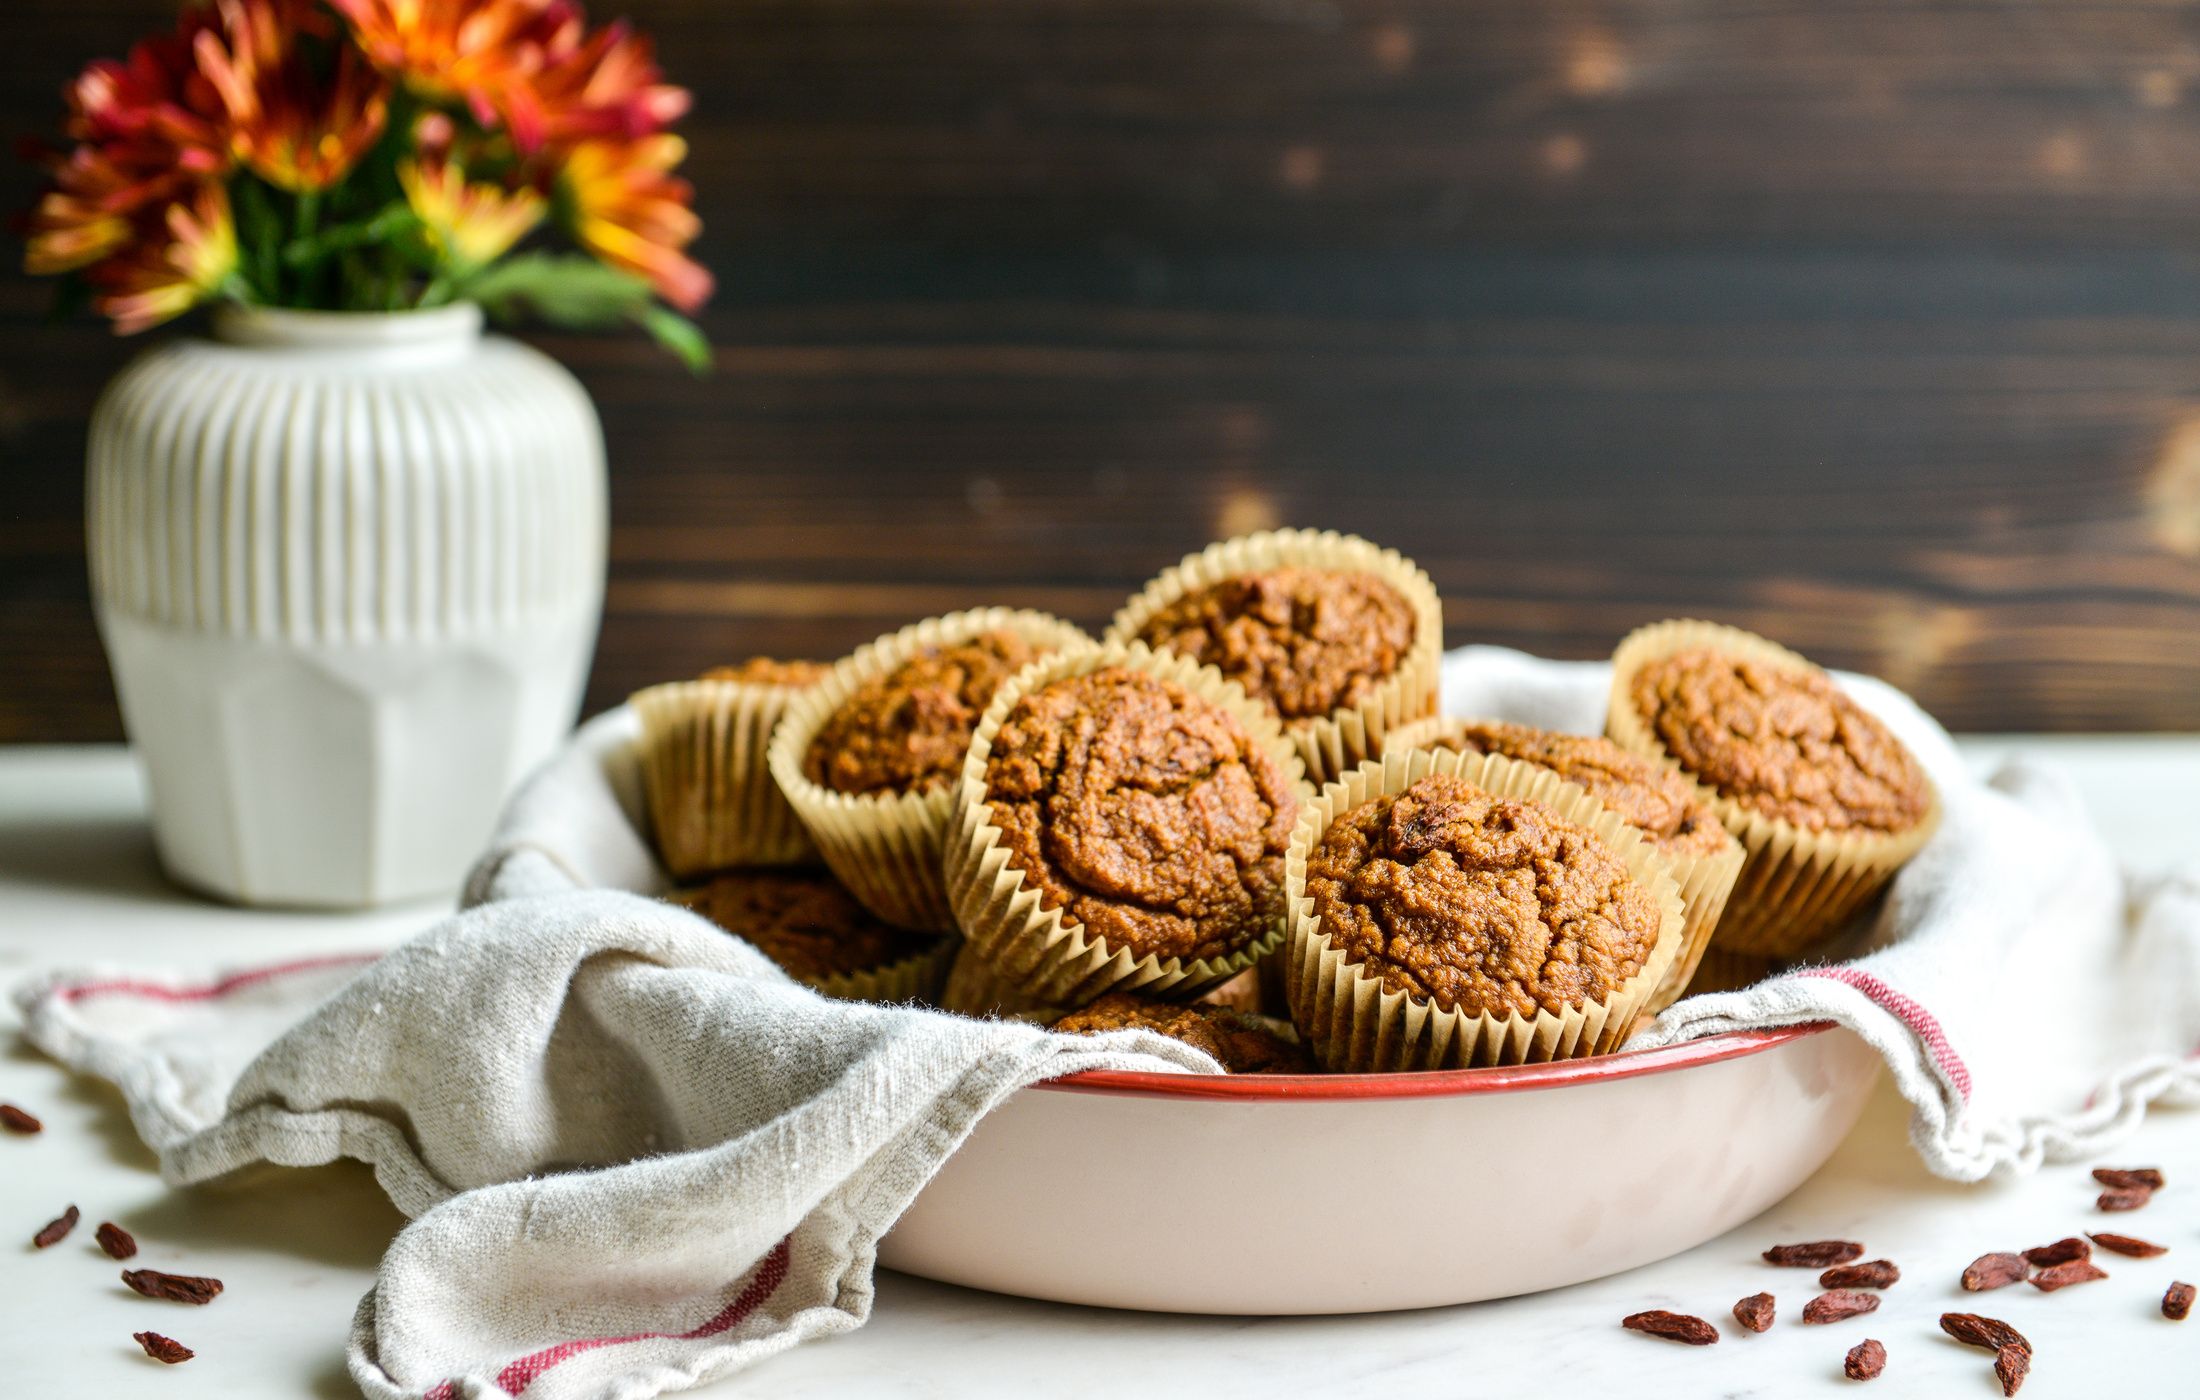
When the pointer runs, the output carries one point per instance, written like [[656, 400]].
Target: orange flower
[[471, 224], [293, 127], [608, 86], [475, 51], [629, 209], [96, 193], [163, 277]]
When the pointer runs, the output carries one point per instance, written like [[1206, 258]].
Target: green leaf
[[679, 335], [564, 289], [387, 225]]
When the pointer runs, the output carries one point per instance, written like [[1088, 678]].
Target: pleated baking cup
[[1018, 953], [1796, 886], [916, 978], [1706, 879], [886, 847], [1722, 971], [712, 802], [1328, 744], [1353, 1023]]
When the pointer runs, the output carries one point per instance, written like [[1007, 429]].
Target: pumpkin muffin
[[1241, 1044], [1480, 904], [1826, 801], [906, 730], [1339, 638], [712, 802], [1782, 741], [1648, 796], [1305, 641], [1143, 812], [806, 921]]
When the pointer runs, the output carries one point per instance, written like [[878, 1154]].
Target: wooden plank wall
[[1874, 326]]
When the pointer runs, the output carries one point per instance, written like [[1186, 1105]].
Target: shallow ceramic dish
[[1332, 1193]]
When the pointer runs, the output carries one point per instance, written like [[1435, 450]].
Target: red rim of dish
[[1428, 1084]]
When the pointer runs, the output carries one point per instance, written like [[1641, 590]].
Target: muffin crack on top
[[1783, 741], [1480, 904], [906, 731], [1305, 641], [1147, 814], [1647, 795]]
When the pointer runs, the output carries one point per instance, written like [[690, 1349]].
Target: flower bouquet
[[377, 155]]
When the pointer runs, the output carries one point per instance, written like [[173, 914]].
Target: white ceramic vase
[[348, 568]]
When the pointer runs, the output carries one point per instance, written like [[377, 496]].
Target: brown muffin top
[[1145, 813], [1485, 905], [1307, 641], [1240, 1043], [1784, 741], [802, 919], [766, 670], [907, 730], [1645, 794]]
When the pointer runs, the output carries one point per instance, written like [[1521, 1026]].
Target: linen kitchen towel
[[636, 1156]]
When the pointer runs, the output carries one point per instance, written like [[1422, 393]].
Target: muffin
[[1703, 856], [1241, 1044], [866, 757], [712, 802], [1825, 799], [1339, 638], [806, 921], [1120, 823], [1453, 909]]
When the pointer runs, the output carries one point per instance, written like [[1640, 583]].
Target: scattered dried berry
[[2011, 1365], [2145, 1178], [2177, 1303], [1878, 1273], [161, 1348], [176, 1288], [1755, 1312], [57, 1229], [1679, 1327], [1989, 1332], [2129, 1247], [2063, 1275], [1865, 1361], [115, 1240], [15, 1120], [1994, 1271], [1840, 1303], [2123, 1198], [1817, 1254], [2060, 1252]]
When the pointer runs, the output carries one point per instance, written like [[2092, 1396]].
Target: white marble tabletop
[[78, 885]]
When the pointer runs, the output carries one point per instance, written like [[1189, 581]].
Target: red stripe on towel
[[234, 982], [1920, 1021], [523, 1372]]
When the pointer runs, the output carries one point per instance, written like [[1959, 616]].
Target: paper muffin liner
[[1796, 886], [1354, 1023], [918, 977], [712, 802], [886, 848], [1331, 743], [1722, 971], [1017, 953], [1706, 881]]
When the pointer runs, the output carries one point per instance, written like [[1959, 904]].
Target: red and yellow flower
[[630, 210], [479, 52], [471, 223], [294, 127], [154, 99], [608, 87], [190, 258]]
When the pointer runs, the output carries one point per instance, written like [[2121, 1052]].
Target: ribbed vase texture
[[348, 569]]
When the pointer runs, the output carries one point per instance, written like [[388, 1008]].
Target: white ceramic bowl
[[1331, 1193], [1369, 1192]]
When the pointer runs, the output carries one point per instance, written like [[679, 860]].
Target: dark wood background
[[1875, 326]]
